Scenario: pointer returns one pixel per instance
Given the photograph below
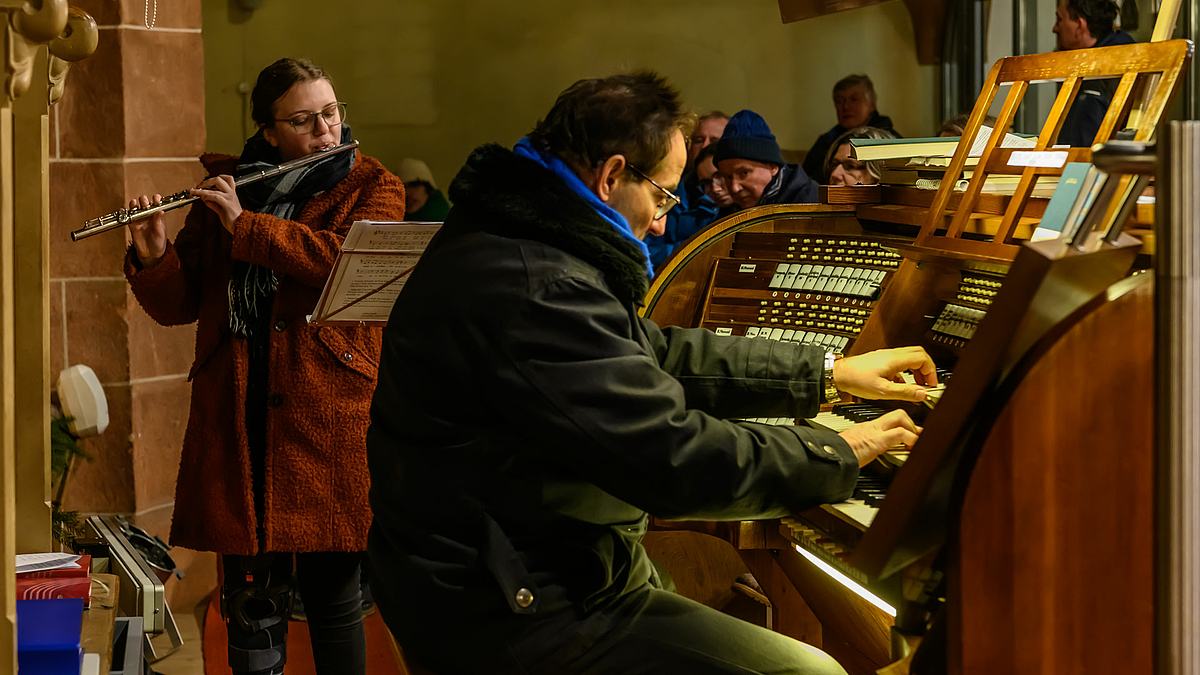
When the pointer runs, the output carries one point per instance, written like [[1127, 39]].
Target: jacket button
[[347, 357], [280, 325], [275, 400], [831, 451], [524, 597]]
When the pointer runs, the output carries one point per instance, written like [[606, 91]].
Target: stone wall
[[131, 122]]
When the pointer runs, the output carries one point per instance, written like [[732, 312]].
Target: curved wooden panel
[[1053, 569]]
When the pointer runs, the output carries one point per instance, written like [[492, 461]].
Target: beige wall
[[433, 79]]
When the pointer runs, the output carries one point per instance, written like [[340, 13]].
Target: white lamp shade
[[82, 398]]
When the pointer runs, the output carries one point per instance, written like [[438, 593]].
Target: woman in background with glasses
[[843, 169], [273, 473]]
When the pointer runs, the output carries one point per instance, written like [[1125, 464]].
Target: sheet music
[[34, 562], [371, 270]]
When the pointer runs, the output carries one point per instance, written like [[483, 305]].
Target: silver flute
[[122, 217]]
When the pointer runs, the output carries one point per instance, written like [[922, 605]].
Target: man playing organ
[[526, 419], [273, 473]]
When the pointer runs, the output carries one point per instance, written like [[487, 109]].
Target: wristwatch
[[832, 395]]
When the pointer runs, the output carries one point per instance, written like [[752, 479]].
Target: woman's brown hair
[[276, 80]]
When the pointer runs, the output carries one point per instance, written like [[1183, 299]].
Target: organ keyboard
[[939, 301], [989, 539]]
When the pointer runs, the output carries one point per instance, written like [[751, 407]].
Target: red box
[[54, 589]]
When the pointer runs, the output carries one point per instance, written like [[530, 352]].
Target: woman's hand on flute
[[220, 194], [149, 234]]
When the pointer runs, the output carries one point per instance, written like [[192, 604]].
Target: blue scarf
[[559, 168]]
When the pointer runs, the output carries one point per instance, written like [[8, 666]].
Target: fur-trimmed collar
[[514, 197]]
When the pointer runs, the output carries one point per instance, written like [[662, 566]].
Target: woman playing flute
[[273, 473]]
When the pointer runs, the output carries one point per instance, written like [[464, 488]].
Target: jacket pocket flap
[[347, 351]]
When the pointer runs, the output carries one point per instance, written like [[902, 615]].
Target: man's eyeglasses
[[672, 198], [305, 122]]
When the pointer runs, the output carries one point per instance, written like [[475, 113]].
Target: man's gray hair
[[855, 80]]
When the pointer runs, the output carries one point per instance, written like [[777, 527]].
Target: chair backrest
[[1153, 67]]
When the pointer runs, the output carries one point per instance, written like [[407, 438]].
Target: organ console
[[1016, 536]]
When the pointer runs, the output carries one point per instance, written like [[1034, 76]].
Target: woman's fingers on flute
[[219, 193]]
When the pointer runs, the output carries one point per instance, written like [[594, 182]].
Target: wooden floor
[[189, 660]]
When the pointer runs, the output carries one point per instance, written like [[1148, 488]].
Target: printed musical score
[[370, 271]]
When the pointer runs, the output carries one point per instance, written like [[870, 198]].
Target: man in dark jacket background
[[854, 101], [749, 159], [527, 419], [1083, 24]]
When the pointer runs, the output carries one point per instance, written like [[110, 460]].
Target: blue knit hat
[[747, 136]]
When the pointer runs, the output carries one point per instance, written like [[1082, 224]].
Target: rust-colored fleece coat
[[321, 379]]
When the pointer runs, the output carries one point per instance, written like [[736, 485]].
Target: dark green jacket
[[526, 419], [434, 209]]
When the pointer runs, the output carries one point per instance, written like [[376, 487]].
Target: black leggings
[[328, 585]]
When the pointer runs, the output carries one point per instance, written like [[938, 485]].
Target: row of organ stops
[[814, 315], [854, 251]]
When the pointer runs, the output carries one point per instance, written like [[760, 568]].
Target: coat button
[[275, 400], [524, 597], [347, 357], [831, 451], [280, 325]]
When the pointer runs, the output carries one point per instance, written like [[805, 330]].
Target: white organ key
[[780, 272], [843, 278], [789, 277], [801, 277], [811, 279]]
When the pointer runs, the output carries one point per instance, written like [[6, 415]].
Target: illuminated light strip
[[848, 583]]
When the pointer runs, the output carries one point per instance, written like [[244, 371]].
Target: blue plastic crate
[[48, 635]]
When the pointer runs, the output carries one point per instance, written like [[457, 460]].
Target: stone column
[[37, 41], [131, 122]]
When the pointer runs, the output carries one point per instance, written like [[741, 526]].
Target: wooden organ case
[[1017, 536]]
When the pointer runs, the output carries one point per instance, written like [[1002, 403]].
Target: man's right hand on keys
[[868, 440]]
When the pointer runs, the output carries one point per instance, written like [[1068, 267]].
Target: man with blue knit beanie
[[749, 156]]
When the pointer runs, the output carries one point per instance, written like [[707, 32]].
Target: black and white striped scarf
[[251, 287]]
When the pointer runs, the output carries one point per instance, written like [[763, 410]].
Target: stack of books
[[922, 162]]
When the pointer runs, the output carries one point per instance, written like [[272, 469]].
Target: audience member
[[426, 203], [708, 131], [841, 166], [1082, 24], [713, 184], [693, 212], [854, 101], [957, 124], [749, 156]]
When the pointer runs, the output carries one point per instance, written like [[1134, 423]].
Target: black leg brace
[[256, 602]]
